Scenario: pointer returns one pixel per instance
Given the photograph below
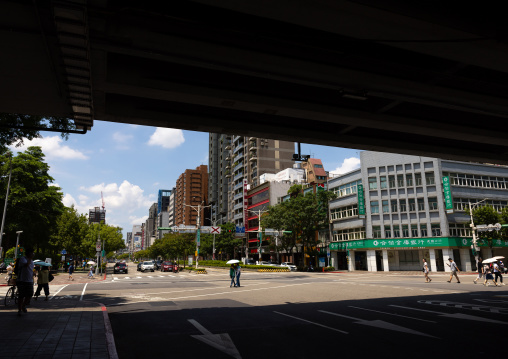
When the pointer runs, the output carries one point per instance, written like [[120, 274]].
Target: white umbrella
[[90, 262], [489, 260], [233, 261], [41, 263], [498, 257]]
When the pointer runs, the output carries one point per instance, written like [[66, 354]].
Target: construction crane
[[103, 204]]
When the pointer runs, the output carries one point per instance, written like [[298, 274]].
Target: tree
[[34, 204], [227, 242], [304, 215], [111, 236], [14, 127], [487, 215], [70, 230]]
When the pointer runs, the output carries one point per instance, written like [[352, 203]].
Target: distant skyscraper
[[191, 189], [97, 215]]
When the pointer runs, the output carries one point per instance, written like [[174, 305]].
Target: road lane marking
[[453, 315], [221, 342], [83, 292], [308, 321], [58, 291], [396, 315], [467, 306], [381, 324]]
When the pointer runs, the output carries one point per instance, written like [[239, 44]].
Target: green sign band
[[413, 243], [361, 200], [447, 194]]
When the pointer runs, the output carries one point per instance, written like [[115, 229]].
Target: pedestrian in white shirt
[[426, 271], [454, 269], [497, 273]]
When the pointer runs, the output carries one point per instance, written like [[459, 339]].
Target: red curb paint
[[104, 309]]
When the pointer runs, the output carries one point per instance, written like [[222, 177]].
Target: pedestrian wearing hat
[[454, 269]]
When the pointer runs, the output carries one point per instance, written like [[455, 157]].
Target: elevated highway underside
[[419, 78]]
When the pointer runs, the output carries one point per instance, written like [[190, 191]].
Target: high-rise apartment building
[[171, 208], [191, 189], [237, 162]]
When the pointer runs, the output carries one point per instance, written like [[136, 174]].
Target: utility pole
[[198, 225], [473, 228], [5, 205], [260, 230]]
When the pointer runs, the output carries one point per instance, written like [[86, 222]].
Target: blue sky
[[130, 163]]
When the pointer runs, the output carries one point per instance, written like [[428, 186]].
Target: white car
[[289, 265], [148, 265]]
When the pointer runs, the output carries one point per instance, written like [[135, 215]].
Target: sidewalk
[[69, 329]]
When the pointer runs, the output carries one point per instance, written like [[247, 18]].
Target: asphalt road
[[298, 315]]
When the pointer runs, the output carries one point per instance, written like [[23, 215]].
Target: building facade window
[[396, 231], [436, 229], [372, 183], [409, 179], [433, 203], [374, 207], [394, 205], [346, 189], [460, 230], [461, 204], [376, 231], [344, 212], [388, 231], [386, 206], [403, 206], [405, 230], [349, 234], [418, 179], [467, 180], [400, 181], [429, 178], [421, 204], [391, 181], [412, 205], [423, 229], [414, 230], [382, 182]]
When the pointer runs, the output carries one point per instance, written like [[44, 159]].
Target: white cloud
[[166, 138], [127, 196], [122, 140], [349, 164], [68, 200], [53, 148], [137, 220]]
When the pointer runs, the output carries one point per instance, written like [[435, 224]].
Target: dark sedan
[[120, 268]]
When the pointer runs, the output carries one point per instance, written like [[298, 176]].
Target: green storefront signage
[[447, 194], [412, 243], [361, 201]]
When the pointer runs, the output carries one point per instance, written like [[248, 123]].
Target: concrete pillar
[[432, 260], [447, 253], [385, 261], [351, 265], [371, 261], [334, 259], [465, 260]]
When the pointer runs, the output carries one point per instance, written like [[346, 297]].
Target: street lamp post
[[213, 245], [17, 243], [5, 205], [473, 228], [198, 225]]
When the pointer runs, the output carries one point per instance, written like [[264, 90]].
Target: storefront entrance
[[379, 261], [360, 260]]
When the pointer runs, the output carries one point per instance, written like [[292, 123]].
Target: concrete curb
[[110, 339]]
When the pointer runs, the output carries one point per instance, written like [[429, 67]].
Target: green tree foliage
[[111, 236], [227, 242], [70, 230], [174, 246], [304, 215], [487, 215], [34, 204], [14, 127]]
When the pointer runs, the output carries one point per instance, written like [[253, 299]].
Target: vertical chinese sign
[[447, 194], [361, 202]]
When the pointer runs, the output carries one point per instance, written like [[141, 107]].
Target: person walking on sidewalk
[[232, 274], [481, 274], [238, 272], [426, 271], [497, 273], [42, 282], [90, 273], [488, 276], [25, 280], [454, 269], [71, 270]]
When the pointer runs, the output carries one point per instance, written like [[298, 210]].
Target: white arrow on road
[[221, 342], [380, 324], [454, 315]]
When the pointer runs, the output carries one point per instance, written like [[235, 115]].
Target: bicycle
[[11, 297]]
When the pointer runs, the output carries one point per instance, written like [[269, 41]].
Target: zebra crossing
[[222, 275]]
